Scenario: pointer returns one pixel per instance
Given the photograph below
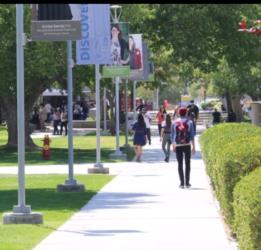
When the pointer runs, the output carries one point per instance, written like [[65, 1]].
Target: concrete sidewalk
[[143, 209]]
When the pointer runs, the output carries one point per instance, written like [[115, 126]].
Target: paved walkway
[[142, 209]]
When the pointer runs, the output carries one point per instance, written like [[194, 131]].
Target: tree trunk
[[9, 108], [228, 102], [10, 112], [237, 107]]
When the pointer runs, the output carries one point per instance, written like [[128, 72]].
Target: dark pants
[[186, 150], [55, 126], [159, 128], [63, 124], [148, 135]]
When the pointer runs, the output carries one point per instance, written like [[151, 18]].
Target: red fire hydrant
[[46, 147]]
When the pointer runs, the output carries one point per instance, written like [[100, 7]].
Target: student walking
[[139, 139], [166, 137], [147, 119], [160, 119], [216, 117], [182, 136], [193, 113]]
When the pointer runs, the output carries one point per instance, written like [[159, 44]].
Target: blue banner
[[95, 45]]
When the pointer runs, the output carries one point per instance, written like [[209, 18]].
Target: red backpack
[[182, 132]]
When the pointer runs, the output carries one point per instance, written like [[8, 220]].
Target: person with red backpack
[[182, 137]]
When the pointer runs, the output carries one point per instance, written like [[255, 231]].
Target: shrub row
[[230, 152], [247, 207]]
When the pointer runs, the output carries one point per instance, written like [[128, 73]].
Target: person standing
[[193, 113], [231, 116], [48, 109], [64, 122], [42, 117], [216, 116], [56, 121], [140, 106], [147, 119], [182, 137], [166, 137], [160, 119], [139, 139]]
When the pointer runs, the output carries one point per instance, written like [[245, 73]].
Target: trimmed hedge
[[217, 136], [247, 207], [230, 151], [236, 159]]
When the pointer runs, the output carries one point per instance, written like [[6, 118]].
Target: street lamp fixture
[[116, 11]]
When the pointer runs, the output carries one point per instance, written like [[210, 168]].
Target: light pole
[[105, 110], [21, 212], [70, 185], [115, 15], [134, 100], [126, 115]]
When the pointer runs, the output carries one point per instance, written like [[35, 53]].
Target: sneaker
[[181, 186], [188, 185], [166, 159]]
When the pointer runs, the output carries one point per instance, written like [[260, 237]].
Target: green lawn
[[84, 150], [42, 196]]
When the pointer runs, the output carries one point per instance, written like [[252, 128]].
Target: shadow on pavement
[[119, 200]]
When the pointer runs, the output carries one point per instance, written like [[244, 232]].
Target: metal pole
[[126, 113], [98, 122], [20, 42], [134, 101], [157, 102], [117, 117], [105, 109], [71, 180]]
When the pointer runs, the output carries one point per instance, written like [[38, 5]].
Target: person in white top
[[147, 119], [48, 109]]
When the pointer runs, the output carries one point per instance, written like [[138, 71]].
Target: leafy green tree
[[45, 63], [225, 82], [204, 34]]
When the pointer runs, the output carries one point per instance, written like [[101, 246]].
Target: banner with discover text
[[95, 45]]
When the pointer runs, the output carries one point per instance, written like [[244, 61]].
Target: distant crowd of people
[[57, 116]]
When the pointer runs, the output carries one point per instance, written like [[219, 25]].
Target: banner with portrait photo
[[119, 52], [56, 22], [136, 57]]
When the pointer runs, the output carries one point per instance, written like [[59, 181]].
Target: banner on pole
[[56, 22], [95, 45], [136, 57], [119, 51], [146, 68]]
